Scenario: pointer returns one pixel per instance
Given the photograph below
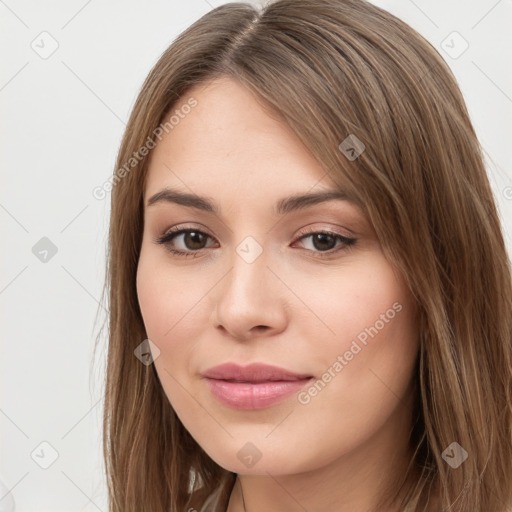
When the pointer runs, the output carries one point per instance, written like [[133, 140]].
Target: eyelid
[[175, 230], [170, 234], [308, 230]]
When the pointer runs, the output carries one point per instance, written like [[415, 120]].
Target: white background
[[61, 123]]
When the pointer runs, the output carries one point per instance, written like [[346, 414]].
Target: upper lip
[[255, 372]]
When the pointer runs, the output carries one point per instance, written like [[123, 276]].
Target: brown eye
[[193, 241], [325, 242]]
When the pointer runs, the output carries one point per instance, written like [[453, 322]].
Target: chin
[[247, 459]]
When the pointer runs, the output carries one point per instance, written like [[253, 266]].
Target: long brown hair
[[334, 69]]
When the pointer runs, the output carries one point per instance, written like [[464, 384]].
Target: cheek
[[173, 311], [367, 351], [364, 370], [153, 302], [166, 299], [167, 307], [353, 304]]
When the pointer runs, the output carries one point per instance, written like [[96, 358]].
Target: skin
[[290, 308]]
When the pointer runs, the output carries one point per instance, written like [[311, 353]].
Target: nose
[[250, 301]]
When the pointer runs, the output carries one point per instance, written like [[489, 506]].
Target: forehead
[[230, 142]]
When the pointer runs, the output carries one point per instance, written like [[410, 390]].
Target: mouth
[[256, 386]]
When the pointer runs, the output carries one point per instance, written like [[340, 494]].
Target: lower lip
[[247, 395]]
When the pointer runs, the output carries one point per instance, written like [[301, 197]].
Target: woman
[[252, 368]]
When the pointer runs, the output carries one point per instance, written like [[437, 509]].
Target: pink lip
[[253, 387]]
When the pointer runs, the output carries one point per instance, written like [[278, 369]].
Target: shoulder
[[203, 500]]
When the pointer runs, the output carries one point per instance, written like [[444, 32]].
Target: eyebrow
[[282, 207]]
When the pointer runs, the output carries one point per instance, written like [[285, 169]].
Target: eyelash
[[176, 231]]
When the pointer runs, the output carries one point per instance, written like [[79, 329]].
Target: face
[[306, 289]]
